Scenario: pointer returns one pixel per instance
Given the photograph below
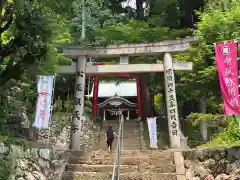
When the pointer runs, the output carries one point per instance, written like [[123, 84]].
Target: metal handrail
[[116, 168]]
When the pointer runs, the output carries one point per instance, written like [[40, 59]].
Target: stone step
[[99, 168], [141, 168], [128, 133], [126, 136], [126, 148], [123, 176], [123, 161], [147, 153], [114, 124], [126, 125], [125, 141], [127, 157], [131, 144], [128, 129], [130, 140]]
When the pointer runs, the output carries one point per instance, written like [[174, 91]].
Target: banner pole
[[51, 109]]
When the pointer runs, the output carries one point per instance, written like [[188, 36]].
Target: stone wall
[[213, 164], [59, 137], [36, 164], [90, 136], [48, 160]]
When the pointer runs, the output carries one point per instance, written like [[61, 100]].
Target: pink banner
[[227, 66]]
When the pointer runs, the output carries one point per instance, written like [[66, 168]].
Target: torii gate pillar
[[171, 101], [78, 101]]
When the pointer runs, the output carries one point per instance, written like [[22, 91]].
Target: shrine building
[[116, 97]]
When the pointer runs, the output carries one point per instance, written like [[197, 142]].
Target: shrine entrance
[[115, 106], [118, 95], [81, 68], [109, 98]]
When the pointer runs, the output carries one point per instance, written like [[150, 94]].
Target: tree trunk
[[203, 123], [140, 10], [147, 98]]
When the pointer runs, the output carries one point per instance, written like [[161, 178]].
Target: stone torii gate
[[81, 68]]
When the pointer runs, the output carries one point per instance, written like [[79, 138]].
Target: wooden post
[[68, 101], [139, 97], [95, 97], [59, 104], [104, 115], [128, 114], [78, 114], [172, 110]]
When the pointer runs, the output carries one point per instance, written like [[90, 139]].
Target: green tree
[[216, 24]]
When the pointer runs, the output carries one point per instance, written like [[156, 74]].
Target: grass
[[228, 137], [220, 141]]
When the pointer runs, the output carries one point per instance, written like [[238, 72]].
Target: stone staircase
[[135, 165], [131, 135]]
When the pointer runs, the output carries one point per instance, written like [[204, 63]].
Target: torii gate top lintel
[[74, 51]]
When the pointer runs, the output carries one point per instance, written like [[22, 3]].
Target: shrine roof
[[112, 88]]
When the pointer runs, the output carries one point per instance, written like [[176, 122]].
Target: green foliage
[[138, 32], [7, 168], [88, 108], [213, 120], [166, 13], [217, 24], [28, 30], [7, 159], [159, 104], [228, 137], [97, 15]]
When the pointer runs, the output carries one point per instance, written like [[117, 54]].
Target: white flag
[[152, 129], [44, 101]]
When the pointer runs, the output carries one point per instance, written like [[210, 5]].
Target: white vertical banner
[[152, 129], [44, 102]]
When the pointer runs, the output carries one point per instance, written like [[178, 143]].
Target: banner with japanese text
[[152, 129], [44, 102], [227, 66]]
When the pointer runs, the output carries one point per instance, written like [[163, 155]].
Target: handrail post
[[121, 144], [122, 121], [116, 168]]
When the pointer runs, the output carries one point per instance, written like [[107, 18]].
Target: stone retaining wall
[[60, 140], [213, 164], [33, 163], [41, 161]]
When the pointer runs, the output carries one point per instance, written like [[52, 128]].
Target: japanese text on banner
[[227, 66]]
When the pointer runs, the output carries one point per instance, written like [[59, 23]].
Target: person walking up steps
[[109, 137]]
